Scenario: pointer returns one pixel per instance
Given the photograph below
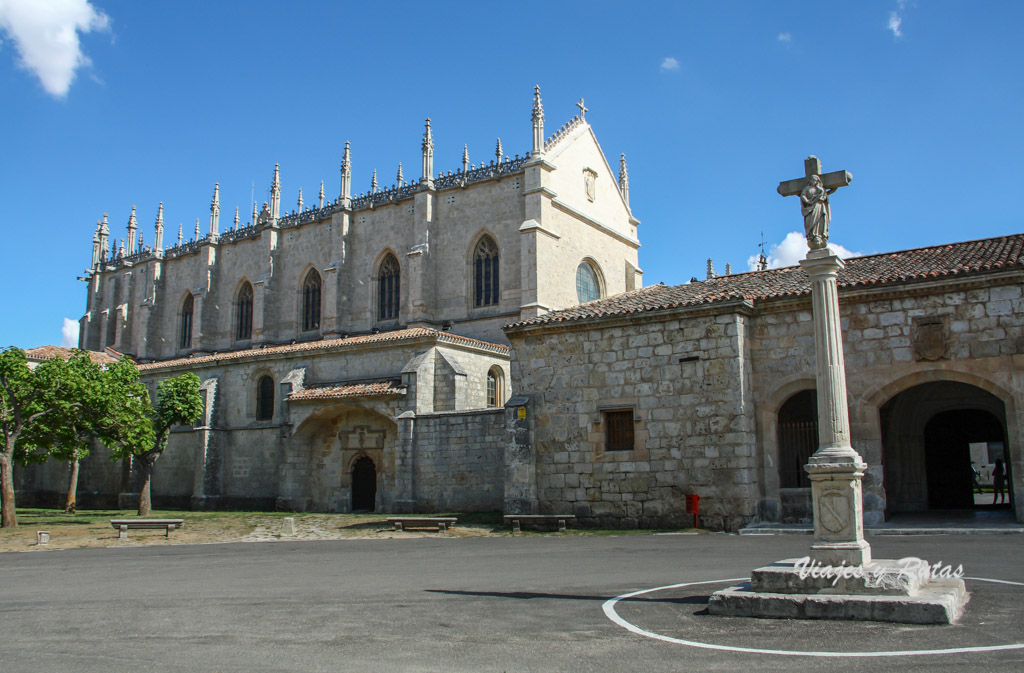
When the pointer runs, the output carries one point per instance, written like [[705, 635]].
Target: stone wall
[[459, 461], [693, 420]]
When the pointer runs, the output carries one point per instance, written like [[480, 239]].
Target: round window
[[587, 286]]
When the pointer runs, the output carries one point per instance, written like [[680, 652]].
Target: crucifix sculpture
[[814, 189], [583, 109]]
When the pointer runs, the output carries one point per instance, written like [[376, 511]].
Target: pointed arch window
[[243, 326], [311, 301], [187, 306], [388, 282], [265, 399], [485, 273]]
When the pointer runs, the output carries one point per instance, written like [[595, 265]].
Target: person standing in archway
[[999, 482]]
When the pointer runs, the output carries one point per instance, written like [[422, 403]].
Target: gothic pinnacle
[[215, 211], [321, 194], [346, 175], [236, 217], [624, 179], [254, 215], [373, 182], [181, 238], [300, 199], [132, 226], [498, 151], [197, 229], [465, 158], [538, 124], [158, 239], [428, 155], [401, 178]]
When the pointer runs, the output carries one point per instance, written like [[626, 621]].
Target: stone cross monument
[[867, 589], [835, 469]]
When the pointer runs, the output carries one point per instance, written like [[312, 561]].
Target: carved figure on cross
[[583, 108], [814, 189]]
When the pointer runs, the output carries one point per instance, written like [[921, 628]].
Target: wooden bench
[[122, 525], [404, 522], [518, 519]]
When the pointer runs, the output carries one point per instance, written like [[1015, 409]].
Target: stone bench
[[122, 525], [404, 522], [517, 520]]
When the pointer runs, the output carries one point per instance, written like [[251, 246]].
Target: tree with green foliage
[[178, 403], [35, 405], [115, 410]]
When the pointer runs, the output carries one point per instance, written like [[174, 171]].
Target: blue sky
[[713, 104]]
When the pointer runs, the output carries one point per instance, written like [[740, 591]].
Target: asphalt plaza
[[469, 604]]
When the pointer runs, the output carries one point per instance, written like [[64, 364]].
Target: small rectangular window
[[618, 430]]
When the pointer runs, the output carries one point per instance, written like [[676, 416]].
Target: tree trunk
[[8, 517], [71, 502], [145, 504]]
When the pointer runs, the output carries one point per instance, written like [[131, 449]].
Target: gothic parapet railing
[[185, 248], [308, 215], [561, 133], [481, 174], [240, 234]]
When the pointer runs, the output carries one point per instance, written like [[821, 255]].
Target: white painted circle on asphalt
[[609, 611]]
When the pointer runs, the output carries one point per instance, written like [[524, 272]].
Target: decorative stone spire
[[141, 246], [235, 227], [428, 155], [728, 269], [215, 212], [321, 194], [158, 238], [254, 214], [275, 195], [198, 234], [624, 179], [346, 177], [96, 245], [538, 124], [711, 269], [373, 182], [133, 225], [104, 237], [120, 249], [498, 152], [300, 199], [465, 158], [400, 177], [181, 238]]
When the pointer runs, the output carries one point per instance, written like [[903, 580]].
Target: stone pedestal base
[[882, 591]]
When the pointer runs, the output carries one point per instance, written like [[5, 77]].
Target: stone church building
[[480, 339]]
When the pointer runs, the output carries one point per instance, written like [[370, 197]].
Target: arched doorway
[[797, 440], [931, 434], [364, 485]]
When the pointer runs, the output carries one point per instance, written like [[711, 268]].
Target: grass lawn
[[91, 528]]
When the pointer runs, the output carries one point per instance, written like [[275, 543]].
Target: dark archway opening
[[364, 485], [797, 440], [931, 435]]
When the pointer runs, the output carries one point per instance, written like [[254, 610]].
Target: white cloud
[[792, 249], [895, 21], [785, 37], [669, 64], [69, 333], [45, 33]]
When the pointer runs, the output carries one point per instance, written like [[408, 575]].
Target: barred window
[[388, 278], [485, 273], [311, 302], [588, 287], [243, 328], [618, 430], [265, 399], [185, 341]]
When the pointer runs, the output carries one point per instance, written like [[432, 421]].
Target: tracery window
[[485, 273], [311, 301], [243, 326], [388, 280], [265, 399], [588, 287], [185, 339]]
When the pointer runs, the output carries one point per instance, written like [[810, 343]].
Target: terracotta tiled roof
[[921, 264], [383, 387], [326, 344], [47, 352]]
